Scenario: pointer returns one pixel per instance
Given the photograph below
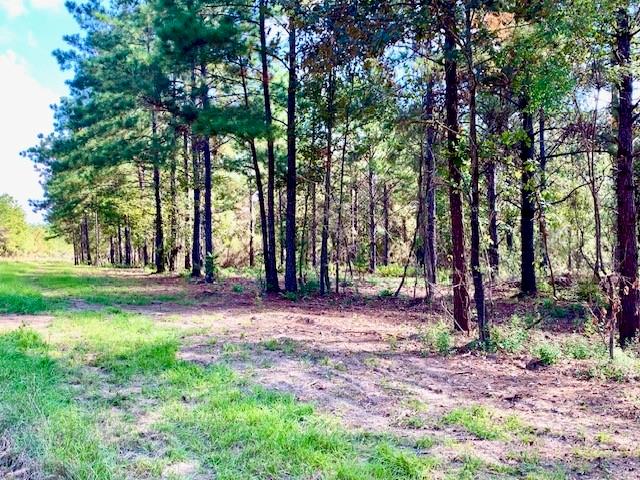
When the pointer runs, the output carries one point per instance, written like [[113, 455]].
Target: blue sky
[[30, 81]]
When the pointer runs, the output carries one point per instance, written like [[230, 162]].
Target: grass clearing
[[106, 393]]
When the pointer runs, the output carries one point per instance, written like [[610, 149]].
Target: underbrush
[[519, 336]]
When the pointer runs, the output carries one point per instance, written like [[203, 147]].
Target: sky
[[30, 81]]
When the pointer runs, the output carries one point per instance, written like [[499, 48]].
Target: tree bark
[[290, 283], [324, 247], [372, 219], [385, 220], [527, 208], [314, 226], [476, 271], [627, 248], [159, 240], [271, 270], [259, 188], [196, 257], [187, 215], [173, 216], [460, 295], [252, 260]]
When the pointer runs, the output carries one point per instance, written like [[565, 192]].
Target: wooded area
[[492, 140]]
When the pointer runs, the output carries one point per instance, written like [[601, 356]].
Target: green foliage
[[13, 227], [511, 337], [478, 420], [437, 338], [309, 287], [394, 270], [548, 353], [589, 291]]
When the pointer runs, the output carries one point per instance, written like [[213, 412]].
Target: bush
[[309, 287], [579, 348], [547, 353], [625, 366], [588, 291], [395, 270], [437, 338], [237, 288], [385, 293], [511, 337]]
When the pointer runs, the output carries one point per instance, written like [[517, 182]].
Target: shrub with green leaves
[[511, 337], [548, 353], [437, 338]]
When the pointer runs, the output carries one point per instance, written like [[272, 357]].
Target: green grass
[[485, 424], [38, 413], [209, 416], [31, 288]]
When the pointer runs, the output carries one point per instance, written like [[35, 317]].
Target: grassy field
[[106, 390]]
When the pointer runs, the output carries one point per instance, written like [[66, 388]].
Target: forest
[[418, 217]]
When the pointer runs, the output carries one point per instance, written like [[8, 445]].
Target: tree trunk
[[426, 243], [627, 248], [460, 295], [187, 217], [343, 157], [324, 247], [271, 270], [527, 209], [259, 188], [173, 216], [314, 226], [159, 240], [372, 219], [87, 242], [127, 244], [476, 272], [196, 257], [290, 283], [112, 251], [385, 220], [252, 260], [120, 256]]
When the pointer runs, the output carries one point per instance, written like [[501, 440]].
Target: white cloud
[[15, 8], [26, 113]]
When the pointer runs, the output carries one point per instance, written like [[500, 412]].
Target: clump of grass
[[477, 419], [385, 293], [285, 345], [485, 424], [624, 366], [39, 414], [437, 338], [123, 344], [237, 288], [510, 338], [394, 270], [581, 348], [548, 353]]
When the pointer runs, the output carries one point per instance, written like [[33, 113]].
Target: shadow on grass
[[38, 414]]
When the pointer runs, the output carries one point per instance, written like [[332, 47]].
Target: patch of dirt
[[14, 465], [37, 322], [362, 360]]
